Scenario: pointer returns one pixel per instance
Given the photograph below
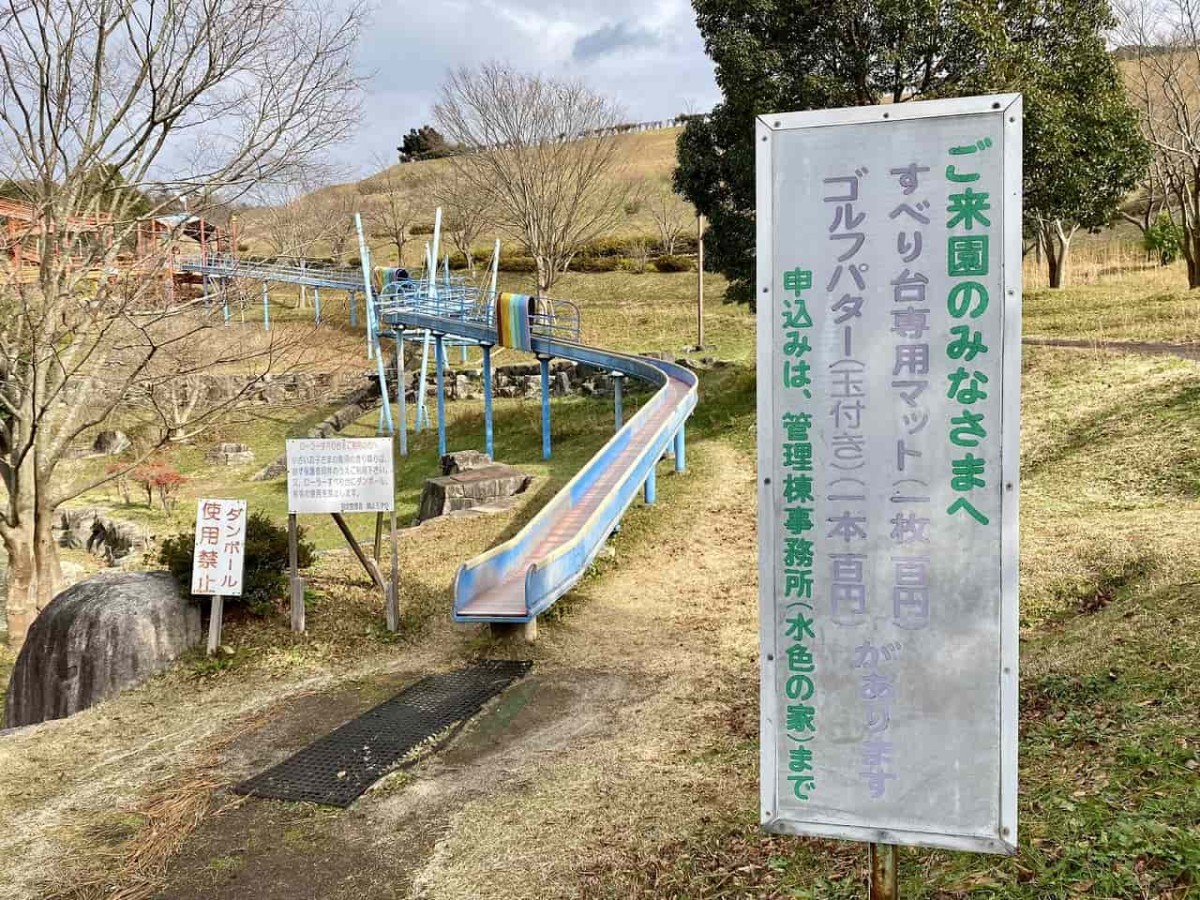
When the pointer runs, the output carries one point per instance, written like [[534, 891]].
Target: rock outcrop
[[96, 638], [470, 480], [94, 531], [111, 443], [231, 455]]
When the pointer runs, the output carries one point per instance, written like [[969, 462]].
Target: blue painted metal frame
[[548, 579]]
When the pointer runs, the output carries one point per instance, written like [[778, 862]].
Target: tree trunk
[[1193, 258], [34, 574], [1057, 243]]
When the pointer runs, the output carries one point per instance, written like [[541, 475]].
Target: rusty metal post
[[884, 884]]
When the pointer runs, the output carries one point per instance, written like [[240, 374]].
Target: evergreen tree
[[783, 55]]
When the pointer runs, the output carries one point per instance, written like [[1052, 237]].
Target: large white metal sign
[[343, 475], [889, 266], [220, 548]]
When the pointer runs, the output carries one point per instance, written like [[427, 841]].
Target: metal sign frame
[[768, 127]]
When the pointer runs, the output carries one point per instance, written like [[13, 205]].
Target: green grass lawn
[[1110, 580]]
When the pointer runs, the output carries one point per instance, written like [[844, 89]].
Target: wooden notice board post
[[336, 477], [218, 560], [889, 328]]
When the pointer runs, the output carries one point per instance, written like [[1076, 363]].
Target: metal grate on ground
[[337, 768]]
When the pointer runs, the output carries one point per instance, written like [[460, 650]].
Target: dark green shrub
[[595, 263], [1164, 238], [265, 577], [421, 228], [606, 246], [518, 264], [673, 264]]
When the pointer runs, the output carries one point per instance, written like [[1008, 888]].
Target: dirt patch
[[1145, 348], [265, 849]]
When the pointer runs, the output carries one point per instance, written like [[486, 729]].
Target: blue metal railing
[[458, 299]]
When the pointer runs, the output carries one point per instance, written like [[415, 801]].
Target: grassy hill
[[646, 160]]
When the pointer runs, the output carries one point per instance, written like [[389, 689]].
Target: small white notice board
[[889, 264], [340, 475], [219, 557]]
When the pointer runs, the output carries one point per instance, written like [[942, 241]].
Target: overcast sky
[[645, 54]]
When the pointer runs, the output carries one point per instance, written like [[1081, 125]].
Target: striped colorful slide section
[[512, 320]]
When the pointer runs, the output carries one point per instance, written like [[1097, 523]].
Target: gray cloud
[[612, 38]]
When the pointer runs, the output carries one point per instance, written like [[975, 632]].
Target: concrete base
[[527, 631]]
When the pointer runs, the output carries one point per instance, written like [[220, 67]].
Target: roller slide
[[520, 578]]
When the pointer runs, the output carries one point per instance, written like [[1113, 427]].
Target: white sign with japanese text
[[220, 554], [889, 264], [340, 475]]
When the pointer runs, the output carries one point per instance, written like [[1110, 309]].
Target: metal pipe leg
[[401, 394], [266, 309], [651, 487], [544, 363], [680, 461], [440, 365], [489, 449], [618, 413]]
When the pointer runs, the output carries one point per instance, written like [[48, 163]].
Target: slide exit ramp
[[519, 579]]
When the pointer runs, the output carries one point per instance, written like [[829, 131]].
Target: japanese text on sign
[[340, 476], [219, 557], [888, 408]]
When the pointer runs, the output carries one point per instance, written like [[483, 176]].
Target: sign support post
[[214, 623], [884, 884], [699, 282], [297, 583]]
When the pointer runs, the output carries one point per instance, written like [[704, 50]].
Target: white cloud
[[647, 56]]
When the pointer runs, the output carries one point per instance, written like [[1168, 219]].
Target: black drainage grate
[[337, 768]]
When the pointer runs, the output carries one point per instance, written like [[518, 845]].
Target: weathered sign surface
[[889, 265], [219, 557], [343, 475]]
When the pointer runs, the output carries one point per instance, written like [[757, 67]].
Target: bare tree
[[467, 213], [105, 105], [1161, 41], [672, 215], [396, 204], [338, 210], [519, 139]]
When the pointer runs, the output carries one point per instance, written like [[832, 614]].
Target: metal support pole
[[651, 486], [225, 300], [402, 393], [297, 583], [422, 412], [489, 449], [544, 363], [699, 282], [884, 882], [393, 601], [680, 461], [317, 305], [440, 366], [266, 309], [618, 413], [214, 623]]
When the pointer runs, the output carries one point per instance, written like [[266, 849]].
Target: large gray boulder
[[99, 636]]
